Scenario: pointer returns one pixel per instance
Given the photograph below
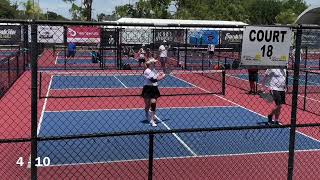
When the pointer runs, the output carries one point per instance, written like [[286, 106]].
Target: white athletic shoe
[[153, 124]]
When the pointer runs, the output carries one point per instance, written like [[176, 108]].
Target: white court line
[[42, 114], [246, 108], [120, 82], [178, 138], [197, 107], [182, 157]]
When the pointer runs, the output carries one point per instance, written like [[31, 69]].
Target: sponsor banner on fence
[[204, 37], [108, 37], [171, 36], [231, 37], [83, 34], [50, 34], [136, 36], [10, 34], [311, 39]]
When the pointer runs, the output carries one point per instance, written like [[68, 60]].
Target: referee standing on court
[[150, 91], [275, 81]]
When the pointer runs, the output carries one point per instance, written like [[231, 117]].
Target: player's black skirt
[[150, 92]]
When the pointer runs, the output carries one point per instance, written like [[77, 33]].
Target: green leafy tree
[[82, 12], [54, 16], [144, 9], [32, 10], [7, 10], [286, 17], [105, 17], [124, 11]]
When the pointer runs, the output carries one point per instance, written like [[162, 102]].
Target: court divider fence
[[79, 114]]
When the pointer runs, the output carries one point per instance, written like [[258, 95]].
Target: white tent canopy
[[178, 21], [310, 16]]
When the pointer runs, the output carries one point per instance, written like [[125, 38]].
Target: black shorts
[[279, 97], [150, 92], [71, 53], [253, 76], [211, 53], [142, 60]]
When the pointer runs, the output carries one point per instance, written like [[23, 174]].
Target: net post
[[17, 65], [295, 90], [34, 102], [202, 59], [40, 85], [305, 91], [150, 160], [305, 60], [223, 82], [178, 55]]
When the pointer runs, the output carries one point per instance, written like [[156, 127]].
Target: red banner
[[83, 34]]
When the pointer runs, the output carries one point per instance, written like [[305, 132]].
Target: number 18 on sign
[[266, 46]]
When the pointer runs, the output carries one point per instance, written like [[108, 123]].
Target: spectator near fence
[[163, 55]]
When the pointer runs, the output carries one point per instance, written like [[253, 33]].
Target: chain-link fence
[[84, 100]]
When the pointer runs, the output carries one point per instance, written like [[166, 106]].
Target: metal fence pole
[[305, 91], [25, 47], [118, 63], [34, 102], [9, 69], [294, 105], [150, 160], [65, 44], [186, 49]]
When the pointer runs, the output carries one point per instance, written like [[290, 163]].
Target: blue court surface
[[89, 61], [311, 62], [313, 79], [171, 145], [117, 81]]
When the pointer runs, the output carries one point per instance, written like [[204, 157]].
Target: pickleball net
[[77, 84]]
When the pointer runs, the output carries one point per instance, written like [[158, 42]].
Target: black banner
[[108, 37], [231, 37], [10, 34], [172, 36], [311, 39]]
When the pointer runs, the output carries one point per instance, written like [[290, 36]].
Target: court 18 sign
[[266, 46]]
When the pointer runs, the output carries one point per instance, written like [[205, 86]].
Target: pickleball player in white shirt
[[150, 91]]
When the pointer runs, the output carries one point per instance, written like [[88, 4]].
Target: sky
[[99, 6]]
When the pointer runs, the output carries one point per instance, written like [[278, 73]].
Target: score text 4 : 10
[[39, 161]]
